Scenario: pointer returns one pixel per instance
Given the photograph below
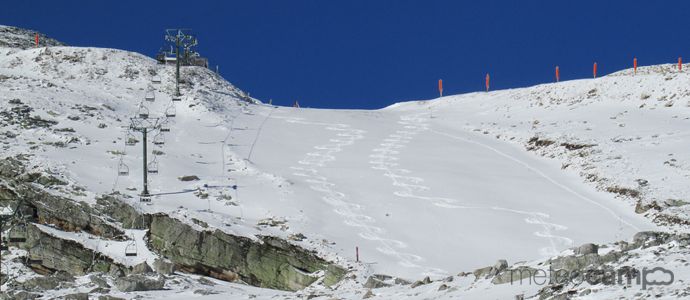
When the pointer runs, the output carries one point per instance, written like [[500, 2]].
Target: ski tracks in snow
[[385, 159], [352, 213]]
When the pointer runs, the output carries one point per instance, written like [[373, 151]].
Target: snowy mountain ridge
[[421, 188]]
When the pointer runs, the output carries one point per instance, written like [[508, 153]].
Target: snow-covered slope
[[422, 188]]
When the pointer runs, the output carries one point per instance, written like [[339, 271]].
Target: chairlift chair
[[18, 234], [152, 166], [159, 139], [131, 248], [122, 169], [130, 140], [176, 98], [170, 112], [156, 79], [143, 112], [150, 95]]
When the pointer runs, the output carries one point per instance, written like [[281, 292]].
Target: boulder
[[424, 281], [163, 267], [77, 296], [377, 281], [141, 268], [587, 249], [138, 283]]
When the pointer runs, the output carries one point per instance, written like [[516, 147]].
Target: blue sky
[[370, 54]]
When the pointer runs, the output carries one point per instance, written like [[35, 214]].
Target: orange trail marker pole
[[487, 81], [635, 65], [36, 39], [594, 70], [440, 88], [558, 74], [680, 63]]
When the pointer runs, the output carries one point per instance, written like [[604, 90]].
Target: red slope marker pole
[[488, 79], [440, 88], [594, 70], [635, 65], [680, 63], [36, 39], [558, 74]]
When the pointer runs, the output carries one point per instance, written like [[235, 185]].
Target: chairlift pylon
[[144, 198]]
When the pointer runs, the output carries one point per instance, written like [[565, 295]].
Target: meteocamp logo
[[623, 276]]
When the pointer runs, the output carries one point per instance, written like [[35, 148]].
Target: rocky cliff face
[[266, 262], [269, 262]]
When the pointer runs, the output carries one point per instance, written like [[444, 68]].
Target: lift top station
[[182, 42]]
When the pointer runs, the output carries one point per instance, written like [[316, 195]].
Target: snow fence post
[[440, 88]]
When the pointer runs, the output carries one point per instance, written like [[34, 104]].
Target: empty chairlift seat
[[152, 166], [150, 95], [170, 112], [143, 112], [156, 79], [131, 248], [159, 139], [122, 169]]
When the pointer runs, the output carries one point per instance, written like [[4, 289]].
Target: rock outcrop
[[269, 262]]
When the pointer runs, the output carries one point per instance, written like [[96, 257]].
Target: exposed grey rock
[[500, 265], [163, 267], [138, 282], [483, 272], [400, 281], [206, 292], [188, 178], [514, 274], [77, 296], [377, 281], [63, 255], [15, 37], [587, 249], [113, 206], [41, 283], [271, 263], [487, 272], [368, 294], [23, 295], [424, 281], [141, 268], [108, 297], [443, 287], [99, 281]]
